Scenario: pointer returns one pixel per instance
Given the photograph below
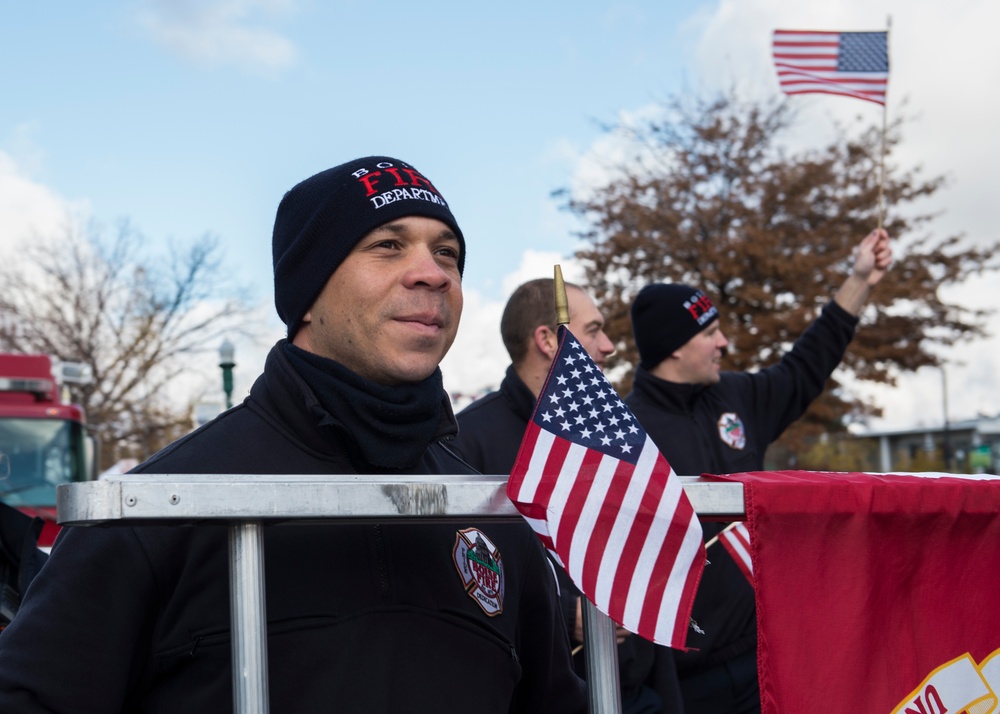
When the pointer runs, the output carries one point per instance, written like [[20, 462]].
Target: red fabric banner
[[875, 592]]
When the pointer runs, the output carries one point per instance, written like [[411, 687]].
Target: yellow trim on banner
[[957, 686]]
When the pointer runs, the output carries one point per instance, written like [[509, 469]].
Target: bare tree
[[710, 196], [136, 319]]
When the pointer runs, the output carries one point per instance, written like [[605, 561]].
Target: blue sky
[[197, 116], [194, 116]]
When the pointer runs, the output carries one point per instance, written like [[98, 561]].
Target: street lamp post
[[945, 434], [227, 355]]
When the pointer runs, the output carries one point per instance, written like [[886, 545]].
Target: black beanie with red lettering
[[321, 219], [665, 316]]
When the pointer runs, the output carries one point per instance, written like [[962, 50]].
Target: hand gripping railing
[[247, 502]]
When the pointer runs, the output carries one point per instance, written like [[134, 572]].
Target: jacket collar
[[517, 395], [669, 396], [283, 392]]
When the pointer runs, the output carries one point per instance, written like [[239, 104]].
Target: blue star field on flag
[[579, 404]]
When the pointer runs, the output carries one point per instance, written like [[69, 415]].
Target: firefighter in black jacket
[[707, 421], [383, 617], [491, 429]]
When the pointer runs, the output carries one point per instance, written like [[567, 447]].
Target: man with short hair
[[707, 421], [492, 427], [368, 618]]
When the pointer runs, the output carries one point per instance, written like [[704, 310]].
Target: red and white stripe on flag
[[736, 541], [851, 64], [605, 502]]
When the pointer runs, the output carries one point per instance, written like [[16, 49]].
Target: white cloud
[[541, 264], [477, 360], [27, 208], [26, 155], [222, 31]]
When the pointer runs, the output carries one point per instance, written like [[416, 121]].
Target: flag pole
[[562, 302], [885, 131], [599, 632], [881, 180]]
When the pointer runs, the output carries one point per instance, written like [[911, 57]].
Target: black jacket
[[490, 429], [726, 428], [20, 558], [361, 618], [490, 433]]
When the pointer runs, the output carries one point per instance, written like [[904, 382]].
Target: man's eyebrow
[[398, 228], [448, 234], [394, 228]]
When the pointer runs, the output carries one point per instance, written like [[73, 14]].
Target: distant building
[[120, 467], [970, 446], [205, 412]]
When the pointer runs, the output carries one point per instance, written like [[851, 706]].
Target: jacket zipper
[[383, 570]]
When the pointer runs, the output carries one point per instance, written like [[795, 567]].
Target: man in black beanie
[[707, 421], [367, 618]]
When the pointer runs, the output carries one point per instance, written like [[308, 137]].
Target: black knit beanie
[[321, 219], [665, 316]]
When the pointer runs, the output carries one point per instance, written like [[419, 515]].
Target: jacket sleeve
[[81, 627], [548, 683], [783, 392]]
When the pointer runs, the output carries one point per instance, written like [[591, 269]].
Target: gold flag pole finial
[[562, 304]]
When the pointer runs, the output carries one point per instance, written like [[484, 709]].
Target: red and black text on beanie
[[321, 219], [665, 316]]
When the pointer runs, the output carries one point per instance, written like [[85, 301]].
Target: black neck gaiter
[[391, 427]]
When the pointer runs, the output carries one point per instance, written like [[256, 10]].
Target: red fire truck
[[43, 440]]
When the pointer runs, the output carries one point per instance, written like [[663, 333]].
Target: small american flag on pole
[[852, 64], [605, 502], [737, 541]]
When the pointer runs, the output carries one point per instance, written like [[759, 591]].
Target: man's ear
[[545, 341], [301, 336]]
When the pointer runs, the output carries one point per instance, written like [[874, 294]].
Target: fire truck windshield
[[36, 455]]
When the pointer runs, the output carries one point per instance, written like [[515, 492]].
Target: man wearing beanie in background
[[383, 617], [707, 421]]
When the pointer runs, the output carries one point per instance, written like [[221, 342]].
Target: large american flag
[[852, 64], [605, 502]]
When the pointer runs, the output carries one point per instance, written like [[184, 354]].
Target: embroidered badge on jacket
[[731, 431], [478, 562]]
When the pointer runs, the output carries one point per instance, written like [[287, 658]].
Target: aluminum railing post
[[248, 617], [601, 652]]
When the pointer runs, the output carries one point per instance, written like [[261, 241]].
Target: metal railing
[[248, 502]]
